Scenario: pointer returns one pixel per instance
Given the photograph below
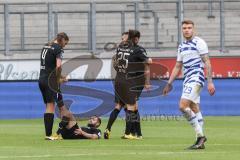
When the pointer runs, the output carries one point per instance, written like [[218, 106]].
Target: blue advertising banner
[[22, 100]]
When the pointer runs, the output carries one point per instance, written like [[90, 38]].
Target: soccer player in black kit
[[118, 106], [132, 66], [69, 129], [50, 78]]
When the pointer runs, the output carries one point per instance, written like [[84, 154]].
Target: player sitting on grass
[[69, 129]]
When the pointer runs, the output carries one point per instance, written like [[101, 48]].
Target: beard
[[91, 125]]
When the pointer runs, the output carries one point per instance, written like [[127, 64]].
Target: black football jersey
[[130, 61], [48, 58], [90, 130], [69, 133]]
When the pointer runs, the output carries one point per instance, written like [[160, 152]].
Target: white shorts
[[191, 91]]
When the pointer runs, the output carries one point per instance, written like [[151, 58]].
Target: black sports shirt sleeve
[[142, 54], [58, 51]]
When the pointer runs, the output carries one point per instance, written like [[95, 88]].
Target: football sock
[[137, 124], [192, 119], [134, 121], [129, 122], [112, 118], [200, 119], [63, 124], [48, 123]]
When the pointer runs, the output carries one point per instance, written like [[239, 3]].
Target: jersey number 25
[[122, 60]]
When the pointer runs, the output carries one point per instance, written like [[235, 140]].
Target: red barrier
[[226, 67]]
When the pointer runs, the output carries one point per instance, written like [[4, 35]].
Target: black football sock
[[129, 124], [63, 124], [59, 131], [133, 129], [48, 122], [112, 118], [134, 120], [137, 124]]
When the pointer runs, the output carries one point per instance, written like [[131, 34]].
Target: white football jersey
[[189, 53]]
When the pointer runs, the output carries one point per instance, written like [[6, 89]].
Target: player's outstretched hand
[[167, 89], [211, 88]]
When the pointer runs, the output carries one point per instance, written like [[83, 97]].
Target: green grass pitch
[[165, 140]]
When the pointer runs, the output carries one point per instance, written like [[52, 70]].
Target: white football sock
[[192, 119], [200, 119]]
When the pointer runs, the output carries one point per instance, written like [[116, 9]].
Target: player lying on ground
[[69, 129]]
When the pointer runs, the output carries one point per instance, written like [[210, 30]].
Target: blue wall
[[23, 99]]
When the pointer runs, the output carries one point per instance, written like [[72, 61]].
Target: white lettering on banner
[[30, 70], [233, 74], [216, 75], [9, 72]]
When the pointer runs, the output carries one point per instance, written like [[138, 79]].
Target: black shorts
[[50, 95], [127, 92], [69, 133]]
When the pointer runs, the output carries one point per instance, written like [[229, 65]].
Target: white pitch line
[[109, 154], [135, 145], [152, 145]]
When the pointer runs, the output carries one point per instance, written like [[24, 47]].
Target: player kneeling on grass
[[69, 129]]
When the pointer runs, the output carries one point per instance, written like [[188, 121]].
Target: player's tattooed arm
[[58, 68], [147, 73], [206, 60], [60, 77], [211, 87]]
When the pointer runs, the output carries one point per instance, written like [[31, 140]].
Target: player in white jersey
[[193, 57]]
